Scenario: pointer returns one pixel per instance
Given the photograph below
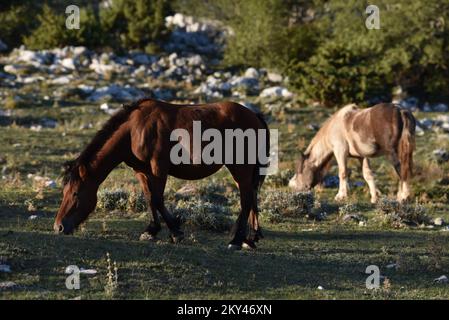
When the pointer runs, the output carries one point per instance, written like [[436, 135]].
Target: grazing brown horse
[[140, 136], [384, 129]]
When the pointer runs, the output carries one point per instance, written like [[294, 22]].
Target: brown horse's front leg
[[255, 231], [155, 225], [157, 186]]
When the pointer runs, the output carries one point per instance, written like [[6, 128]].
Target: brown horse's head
[[306, 176], [79, 198]]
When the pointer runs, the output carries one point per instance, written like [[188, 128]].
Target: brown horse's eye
[[75, 194]]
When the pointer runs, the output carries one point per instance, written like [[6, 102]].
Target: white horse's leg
[[341, 155], [369, 178], [404, 191]]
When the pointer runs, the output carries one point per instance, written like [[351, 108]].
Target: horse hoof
[[234, 247], [248, 245], [147, 237]]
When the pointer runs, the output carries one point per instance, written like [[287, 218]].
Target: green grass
[[296, 256]]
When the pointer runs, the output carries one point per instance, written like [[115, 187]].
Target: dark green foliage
[[125, 25], [135, 24], [17, 20], [329, 54], [354, 63]]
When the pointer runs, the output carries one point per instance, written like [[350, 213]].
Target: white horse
[[384, 129]]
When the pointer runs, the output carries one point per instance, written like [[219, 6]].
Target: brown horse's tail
[[259, 178], [407, 144]]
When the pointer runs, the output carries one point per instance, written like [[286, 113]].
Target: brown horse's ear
[[82, 172]]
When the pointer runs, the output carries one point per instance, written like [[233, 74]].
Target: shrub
[[52, 31], [348, 208], [399, 214], [280, 179], [17, 20], [278, 204], [13, 102], [110, 200], [135, 23], [203, 215], [211, 192], [126, 24]]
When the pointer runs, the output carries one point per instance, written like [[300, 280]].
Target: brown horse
[[140, 136], [384, 129]]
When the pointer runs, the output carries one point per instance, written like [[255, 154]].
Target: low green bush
[[121, 200], [276, 205], [401, 214], [203, 215]]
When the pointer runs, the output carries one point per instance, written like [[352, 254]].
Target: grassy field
[[297, 255]]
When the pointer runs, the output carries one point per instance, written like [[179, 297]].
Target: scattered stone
[[49, 123], [3, 46], [88, 271], [62, 80], [320, 288], [16, 69], [36, 128], [115, 92], [5, 268], [440, 107], [349, 217], [274, 77], [438, 221], [313, 127], [189, 35], [43, 181], [8, 285], [442, 279], [29, 80], [163, 94], [276, 92], [142, 59], [33, 217], [251, 73], [441, 155], [410, 103], [419, 132], [250, 84], [85, 126], [86, 89], [68, 63], [50, 184]]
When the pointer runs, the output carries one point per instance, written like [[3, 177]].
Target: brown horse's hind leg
[[255, 231], [155, 225], [243, 177]]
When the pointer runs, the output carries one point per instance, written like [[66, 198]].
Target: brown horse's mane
[[98, 141]]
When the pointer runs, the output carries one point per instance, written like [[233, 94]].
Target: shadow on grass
[[205, 267]]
